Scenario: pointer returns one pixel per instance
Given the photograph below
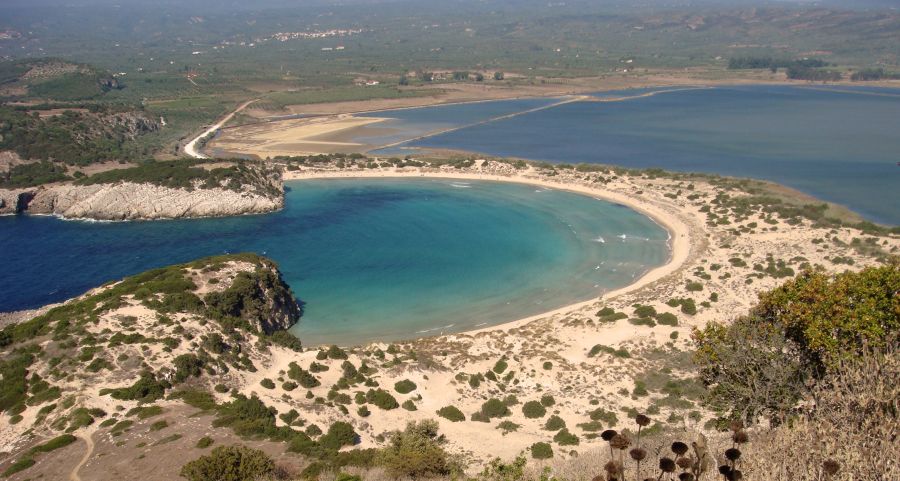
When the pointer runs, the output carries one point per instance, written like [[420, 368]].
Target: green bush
[[508, 427], [416, 452], [382, 399], [229, 463], [601, 414], [335, 352], [451, 413], [409, 405], [547, 400], [302, 376], [533, 410], [694, 286], [339, 434], [495, 408], [205, 442], [762, 364], [645, 311], [405, 386], [548, 365], [500, 366], [667, 319], [541, 451], [146, 390], [554, 423], [565, 438], [267, 383]]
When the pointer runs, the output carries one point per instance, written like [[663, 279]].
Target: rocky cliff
[[136, 201]]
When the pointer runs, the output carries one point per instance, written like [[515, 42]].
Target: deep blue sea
[[371, 259], [840, 144]]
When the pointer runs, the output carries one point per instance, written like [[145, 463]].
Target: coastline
[[680, 236]]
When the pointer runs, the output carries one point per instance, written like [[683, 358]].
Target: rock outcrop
[[133, 201]]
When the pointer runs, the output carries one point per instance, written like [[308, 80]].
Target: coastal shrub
[[606, 311], [500, 366], [451, 413], [316, 367], [229, 463], [363, 411], [313, 430], [554, 423], [565, 438], [547, 400], [159, 425], [511, 400], [197, 398], [644, 311], [533, 410], [382, 399], [763, 363], [541, 450], [288, 386], [409, 405], [601, 414], [302, 376], [494, 408], [597, 349], [335, 352], [267, 383], [694, 286], [667, 319], [475, 380], [643, 321], [204, 442], [405, 386], [339, 434], [548, 365], [145, 390], [416, 452], [21, 464], [508, 427]]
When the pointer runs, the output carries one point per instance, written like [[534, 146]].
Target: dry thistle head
[[598, 478], [667, 465], [725, 470], [732, 454], [620, 442], [685, 477], [679, 448], [737, 425], [642, 420], [740, 437], [685, 462], [735, 475], [638, 454], [611, 468], [608, 434], [831, 467]]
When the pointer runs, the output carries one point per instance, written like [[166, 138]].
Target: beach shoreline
[[680, 235]]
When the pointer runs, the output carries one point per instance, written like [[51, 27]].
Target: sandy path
[[680, 234], [89, 439], [191, 147]]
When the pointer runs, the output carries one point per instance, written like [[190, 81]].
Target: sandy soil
[[294, 136]]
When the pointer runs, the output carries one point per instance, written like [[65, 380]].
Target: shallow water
[[371, 259], [840, 144]]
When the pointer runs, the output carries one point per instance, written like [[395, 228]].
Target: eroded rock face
[[130, 201]]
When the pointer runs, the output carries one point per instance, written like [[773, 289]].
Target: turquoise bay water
[[840, 144], [371, 259]]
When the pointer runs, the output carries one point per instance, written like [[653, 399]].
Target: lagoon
[[840, 144]]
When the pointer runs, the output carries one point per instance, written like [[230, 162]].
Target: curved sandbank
[[679, 232]]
